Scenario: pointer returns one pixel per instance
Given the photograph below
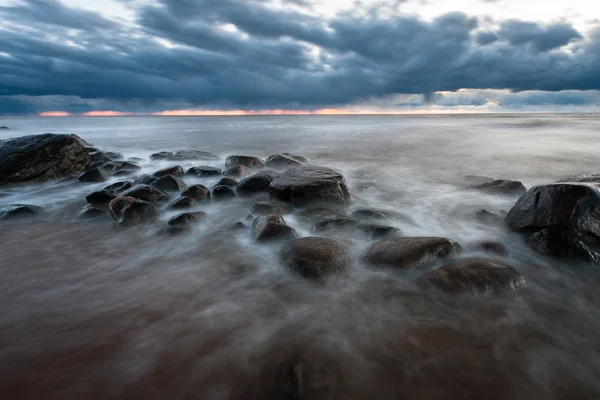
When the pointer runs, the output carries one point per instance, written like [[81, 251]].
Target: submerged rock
[[182, 203], [251, 162], [175, 230], [144, 180], [407, 252], [163, 155], [371, 215], [128, 166], [41, 157], [336, 223], [238, 226], [492, 247], [304, 186], [14, 211], [189, 218], [222, 192], [114, 156], [502, 187], [473, 275], [169, 183], [378, 231], [176, 171], [227, 181], [190, 155], [269, 207], [257, 183], [488, 217], [478, 180], [4, 127], [315, 257], [146, 193], [204, 171], [90, 211], [120, 186], [279, 161], [102, 196], [129, 211], [266, 228], [239, 171], [197, 192], [136, 159], [94, 175], [314, 215]]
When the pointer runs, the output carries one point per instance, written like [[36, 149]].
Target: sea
[[90, 311]]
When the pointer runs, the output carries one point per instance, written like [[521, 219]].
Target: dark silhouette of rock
[[251, 162], [98, 158], [175, 230], [169, 183], [257, 183], [222, 192], [94, 175], [197, 192], [204, 171], [315, 257], [407, 252], [239, 172], [15, 211], [280, 161], [488, 217], [304, 186], [502, 187], [4, 127], [190, 155], [129, 166], [146, 193], [182, 203], [176, 171], [90, 211], [478, 180], [110, 166], [91, 149], [189, 218], [129, 211], [492, 247], [120, 186], [41, 157], [163, 155], [114, 156], [375, 231], [473, 275], [144, 180], [378, 216], [336, 223], [102, 196], [238, 226], [227, 181], [269, 207], [314, 215], [266, 228]]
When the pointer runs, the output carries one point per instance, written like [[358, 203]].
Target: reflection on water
[[91, 311]]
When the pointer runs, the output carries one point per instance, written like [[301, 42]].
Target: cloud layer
[[229, 54]]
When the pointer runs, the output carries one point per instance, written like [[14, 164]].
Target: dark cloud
[[185, 53]]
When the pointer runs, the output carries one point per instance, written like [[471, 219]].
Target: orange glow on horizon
[[105, 114], [54, 114]]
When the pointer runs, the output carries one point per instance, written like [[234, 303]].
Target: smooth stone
[[222, 192], [378, 231], [251, 162], [189, 218], [129, 166], [144, 180], [136, 160], [204, 171], [197, 192], [182, 203], [268, 228], [90, 211], [124, 172], [337, 223], [312, 216], [146, 193], [488, 217], [129, 211], [120, 186], [501, 187], [280, 161], [102, 196], [190, 155], [315, 257], [114, 156], [98, 158], [169, 183], [15, 211], [257, 183], [239, 172], [238, 226], [175, 230], [94, 175], [163, 155], [176, 171], [227, 181], [407, 252], [269, 207]]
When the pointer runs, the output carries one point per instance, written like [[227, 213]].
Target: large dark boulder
[[222, 192], [268, 228], [120, 186], [251, 162], [94, 175], [406, 252], [501, 187], [189, 218], [102, 196], [14, 211], [169, 183], [304, 186], [146, 193], [204, 171], [182, 203], [269, 207], [41, 157], [257, 183], [129, 211], [174, 171], [315, 257], [473, 276], [190, 155], [227, 181], [280, 161], [561, 220], [197, 192], [238, 171]]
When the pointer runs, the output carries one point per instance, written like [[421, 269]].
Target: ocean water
[[88, 311]]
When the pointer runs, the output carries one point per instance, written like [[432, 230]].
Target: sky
[[199, 57]]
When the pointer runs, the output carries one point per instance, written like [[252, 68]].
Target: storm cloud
[[254, 55]]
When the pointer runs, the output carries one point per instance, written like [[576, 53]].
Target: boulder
[[406, 252], [375, 231], [197, 192], [136, 160], [169, 183], [253, 163], [336, 223], [102, 196], [94, 175], [182, 203], [478, 179], [238, 171], [204, 171], [315, 257], [502, 187], [257, 183], [41, 157], [146, 193], [129, 211], [163, 155], [222, 192], [314, 215], [91, 149], [144, 180], [304, 186], [280, 161], [90, 211], [473, 275], [114, 156], [175, 230], [492, 247], [267, 228], [296, 157], [128, 166], [110, 166], [4, 127], [190, 155], [14, 211], [561, 220], [174, 171], [189, 218], [227, 181], [120, 186], [98, 157], [238, 226], [269, 207]]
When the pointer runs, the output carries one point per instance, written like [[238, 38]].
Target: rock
[[110, 166], [129, 166], [114, 156], [169, 183], [296, 157], [337, 223], [315, 257], [175, 230], [492, 247], [266, 228], [253, 163], [120, 186], [560, 220], [226, 181], [91, 211], [279, 161], [146, 193], [312, 216], [269, 207], [257, 183], [222, 192], [204, 171], [41, 157], [98, 157], [406, 252], [488, 217], [197, 192], [91, 149], [478, 180], [371, 215], [129, 211], [189, 155], [176, 171], [102, 196], [249, 217], [144, 180], [238, 226], [239, 171], [182, 203], [14, 211], [4, 127], [378, 231], [94, 175], [502, 187], [189, 218], [163, 155], [123, 172], [473, 275], [136, 160], [303, 186]]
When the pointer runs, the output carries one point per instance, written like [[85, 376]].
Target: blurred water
[[91, 311]]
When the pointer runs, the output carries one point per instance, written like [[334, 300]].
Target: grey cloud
[[542, 38]]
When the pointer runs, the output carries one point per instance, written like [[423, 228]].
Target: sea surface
[[89, 311]]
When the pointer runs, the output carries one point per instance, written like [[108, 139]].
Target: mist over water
[[89, 311]]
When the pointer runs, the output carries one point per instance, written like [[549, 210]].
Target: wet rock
[[176, 171], [239, 172], [315, 257], [123, 172], [182, 203], [90, 211], [190, 155], [94, 175], [303, 186], [4, 127], [378, 231], [314, 215], [114, 156], [222, 192], [297, 158], [91, 149], [269, 207], [492, 247], [560, 220], [406, 252], [502, 187], [488, 217], [257, 183], [189, 218], [136, 160], [371, 215], [266, 228], [144, 180], [98, 158], [473, 275], [163, 155], [102, 196], [110, 166], [15, 211], [204, 171], [478, 180], [197, 192], [175, 230], [41, 157], [336, 223], [280, 161], [169, 183], [251, 162], [146, 193], [238, 226], [119, 186], [227, 181], [129, 211], [129, 166]]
